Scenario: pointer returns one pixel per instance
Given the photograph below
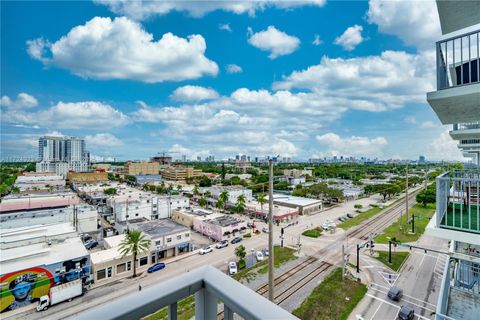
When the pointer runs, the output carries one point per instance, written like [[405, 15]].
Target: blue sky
[[301, 79]]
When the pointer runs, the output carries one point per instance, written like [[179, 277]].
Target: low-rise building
[[292, 180], [35, 259], [303, 205], [297, 173], [233, 192], [84, 218], [243, 166], [140, 168], [37, 201], [39, 181], [168, 239], [220, 227], [280, 213], [87, 177], [186, 216], [179, 173]]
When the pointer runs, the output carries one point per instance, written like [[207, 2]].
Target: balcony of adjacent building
[[467, 130], [459, 296], [457, 215], [457, 99], [216, 296]]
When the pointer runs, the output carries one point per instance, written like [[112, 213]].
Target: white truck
[[61, 293]]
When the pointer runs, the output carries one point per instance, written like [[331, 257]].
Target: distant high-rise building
[[60, 154], [199, 158], [421, 159], [184, 158], [237, 157], [243, 158]]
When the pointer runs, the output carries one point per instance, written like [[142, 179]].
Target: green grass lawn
[[313, 233], [359, 218], [281, 256], [186, 310], [332, 299], [397, 258], [422, 217]]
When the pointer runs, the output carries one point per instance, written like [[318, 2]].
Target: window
[[136, 214], [121, 268], [143, 261], [129, 265], [101, 274], [187, 235], [169, 239], [158, 243], [109, 272], [179, 237]]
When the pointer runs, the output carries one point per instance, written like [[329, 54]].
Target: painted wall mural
[[21, 288]]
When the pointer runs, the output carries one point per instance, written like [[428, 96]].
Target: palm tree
[[220, 204], [240, 207], [135, 242], [202, 202], [207, 194], [179, 187], [224, 196], [262, 200], [195, 190]]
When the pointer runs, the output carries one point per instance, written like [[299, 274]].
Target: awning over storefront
[[183, 245]]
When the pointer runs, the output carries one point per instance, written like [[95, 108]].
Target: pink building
[[38, 201], [220, 227]]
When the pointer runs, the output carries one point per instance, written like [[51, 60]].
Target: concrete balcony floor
[[463, 304]]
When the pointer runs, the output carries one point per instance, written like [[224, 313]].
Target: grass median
[[397, 259], [313, 233], [422, 217], [361, 217], [332, 299]]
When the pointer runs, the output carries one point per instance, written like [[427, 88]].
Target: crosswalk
[[442, 259]]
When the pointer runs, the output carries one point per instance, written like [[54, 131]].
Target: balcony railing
[[458, 60], [458, 200], [207, 284], [466, 126]]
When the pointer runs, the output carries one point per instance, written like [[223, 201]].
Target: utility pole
[[270, 231], [413, 223], [358, 258], [343, 262], [390, 251], [406, 194]]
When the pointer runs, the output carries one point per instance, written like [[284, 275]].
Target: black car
[[236, 240], [342, 219], [349, 215], [406, 313], [395, 293]]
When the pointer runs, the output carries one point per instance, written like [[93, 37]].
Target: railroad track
[[378, 222]]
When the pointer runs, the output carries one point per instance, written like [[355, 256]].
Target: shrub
[[241, 264], [247, 235], [358, 206]]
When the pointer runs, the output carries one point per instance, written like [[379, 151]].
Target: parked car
[[251, 225], [265, 252], [342, 219], [89, 244], [206, 249], [406, 313], [350, 215], [395, 293], [265, 229], [232, 267], [85, 237], [236, 240], [221, 244], [156, 267], [259, 256]]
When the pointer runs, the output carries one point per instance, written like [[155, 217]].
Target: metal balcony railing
[[458, 200], [466, 126], [458, 60], [207, 284]]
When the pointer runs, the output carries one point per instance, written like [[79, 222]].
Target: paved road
[[419, 278], [218, 258]]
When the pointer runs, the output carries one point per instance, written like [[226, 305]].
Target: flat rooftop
[[33, 232], [156, 228], [224, 221], [38, 254], [196, 212], [296, 201]]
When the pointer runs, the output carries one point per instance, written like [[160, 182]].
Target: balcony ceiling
[[457, 104], [456, 15]]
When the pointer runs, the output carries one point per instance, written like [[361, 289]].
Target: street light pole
[[406, 195], [270, 232]]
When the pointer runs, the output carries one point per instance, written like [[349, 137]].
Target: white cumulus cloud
[[414, 22], [103, 140], [23, 101], [351, 38], [444, 148], [193, 93], [233, 68], [144, 9], [121, 49], [225, 27], [316, 40], [278, 43], [352, 146], [373, 83]]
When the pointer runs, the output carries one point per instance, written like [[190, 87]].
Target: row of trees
[[319, 191]]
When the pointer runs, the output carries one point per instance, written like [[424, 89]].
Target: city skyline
[[248, 81]]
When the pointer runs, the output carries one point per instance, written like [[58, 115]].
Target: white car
[[259, 256], [265, 252], [232, 267], [206, 249], [265, 230]]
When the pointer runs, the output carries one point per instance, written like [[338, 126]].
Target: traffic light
[[371, 244]]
